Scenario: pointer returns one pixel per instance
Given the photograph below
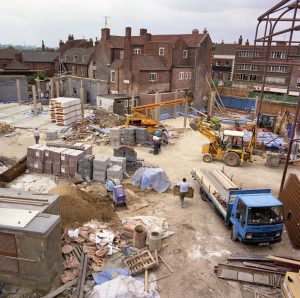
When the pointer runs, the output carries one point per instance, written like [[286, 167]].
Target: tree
[[31, 79]]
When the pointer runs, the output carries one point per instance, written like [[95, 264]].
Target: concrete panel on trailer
[[17, 218]]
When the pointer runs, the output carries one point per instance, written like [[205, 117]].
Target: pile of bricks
[[115, 172], [85, 167], [129, 136], [54, 160], [141, 135], [132, 162], [115, 137], [65, 111], [100, 166]]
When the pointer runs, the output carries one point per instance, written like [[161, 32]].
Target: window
[[122, 54], [100, 102], [186, 75], [249, 54], [185, 53], [243, 77], [75, 57], [226, 63], [73, 70], [152, 76], [66, 58], [218, 63], [252, 77], [126, 103], [190, 75], [113, 76], [241, 209], [278, 55], [137, 51], [161, 52], [83, 58], [181, 75], [275, 80], [277, 68], [251, 67], [82, 71]]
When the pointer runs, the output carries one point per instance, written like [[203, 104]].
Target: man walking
[[156, 144], [36, 134], [184, 188]]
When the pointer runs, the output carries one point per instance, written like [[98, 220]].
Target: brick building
[[147, 63]]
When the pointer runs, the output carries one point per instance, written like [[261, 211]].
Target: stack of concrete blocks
[[85, 167], [100, 166], [132, 162], [87, 148], [141, 135], [65, 110], [55, 154], [115, 172], [51, 135], [120, 161], [35, 158], [129, 136], [115, 137], [69, 160]]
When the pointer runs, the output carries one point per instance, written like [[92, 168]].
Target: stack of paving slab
[[65, 111], [115, 136], [120, 161], [115, 172], [129, 136], [85, 167], [100, 166], [132, 162], [54, 160], [141, 135]]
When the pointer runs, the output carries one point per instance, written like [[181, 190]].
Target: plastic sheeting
[[123, 287], [107, 275], [155, 178]]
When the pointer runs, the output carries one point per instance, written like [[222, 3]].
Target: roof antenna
[[105, 20]]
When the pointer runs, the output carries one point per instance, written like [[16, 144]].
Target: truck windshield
[[265, 215]]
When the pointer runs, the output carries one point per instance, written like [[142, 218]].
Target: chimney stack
[[241, 40], [205, 30], [143, 31], [105, 33], [43, 46], [128, 32], [195, 31], [149, 36], [247, 42]]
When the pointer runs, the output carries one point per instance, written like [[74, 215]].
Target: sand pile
[[75, 205]]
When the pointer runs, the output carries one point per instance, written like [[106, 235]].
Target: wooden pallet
[[140, 262]]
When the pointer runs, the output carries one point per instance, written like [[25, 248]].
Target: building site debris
[[290, 198], [240, 257], [105, 119], [62, 288], [133, 201], [154, 178], [5, 128], [82, 274], [51, 135], [166, 264], [261, 294], [109, 274]]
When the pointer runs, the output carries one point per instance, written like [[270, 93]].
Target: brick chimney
[[128, 32], [143, 31], [241, 40], [149, 35], [195, 31], [205, 30], [61, 43], [70, 37], [43, 46], [247, 42], [105, 33]]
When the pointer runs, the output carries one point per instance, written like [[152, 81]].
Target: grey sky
[[31, 21]]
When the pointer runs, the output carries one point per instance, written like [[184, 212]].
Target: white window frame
[[190, 75], [137, 51], [185, 53], [75, 57], [83, 58], [181, 75], [113, 76], [73, 70], [66, 58], [152, 76], [227, 63], [218, 63], [186, 75], [275, 80], [126, 103], [121, 54], [161, 51], [298, 83], [278, 55], [277, 68]]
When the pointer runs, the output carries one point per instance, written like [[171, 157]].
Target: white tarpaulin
[[125, 287]]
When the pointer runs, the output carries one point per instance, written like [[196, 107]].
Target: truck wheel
[[202, 194], [233, 235], [207, 157], [232, 159]]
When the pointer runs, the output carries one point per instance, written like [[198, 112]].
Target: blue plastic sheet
[[106, 275], [155, 178]]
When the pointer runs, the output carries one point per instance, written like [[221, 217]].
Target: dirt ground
[[201, 240]]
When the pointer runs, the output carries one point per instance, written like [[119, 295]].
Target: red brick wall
[[150, 98], [186, 83], [48, 68], [152, 48], [79, 70]]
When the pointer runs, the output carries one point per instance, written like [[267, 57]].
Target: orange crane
[[137, 118]]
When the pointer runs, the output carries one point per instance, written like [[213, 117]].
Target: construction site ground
[[201, 240]]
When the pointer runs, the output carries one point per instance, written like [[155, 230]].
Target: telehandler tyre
[[207, 157], [232, 159]]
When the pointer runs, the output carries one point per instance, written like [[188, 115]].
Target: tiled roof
[[116, 64], [148, 62], [225, 48], [8, 53], [192, 40], [75, 55], [38, 56], [15, 65]]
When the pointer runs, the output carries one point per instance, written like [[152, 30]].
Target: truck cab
[[256, 217]]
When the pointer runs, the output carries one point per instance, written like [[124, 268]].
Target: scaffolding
[[272, 27]]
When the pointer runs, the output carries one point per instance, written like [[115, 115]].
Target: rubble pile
[[105, 119], [5, 128]]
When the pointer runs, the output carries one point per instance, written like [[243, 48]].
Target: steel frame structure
[[280, 15]]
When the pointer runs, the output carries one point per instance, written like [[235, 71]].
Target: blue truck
[[254, 216]]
